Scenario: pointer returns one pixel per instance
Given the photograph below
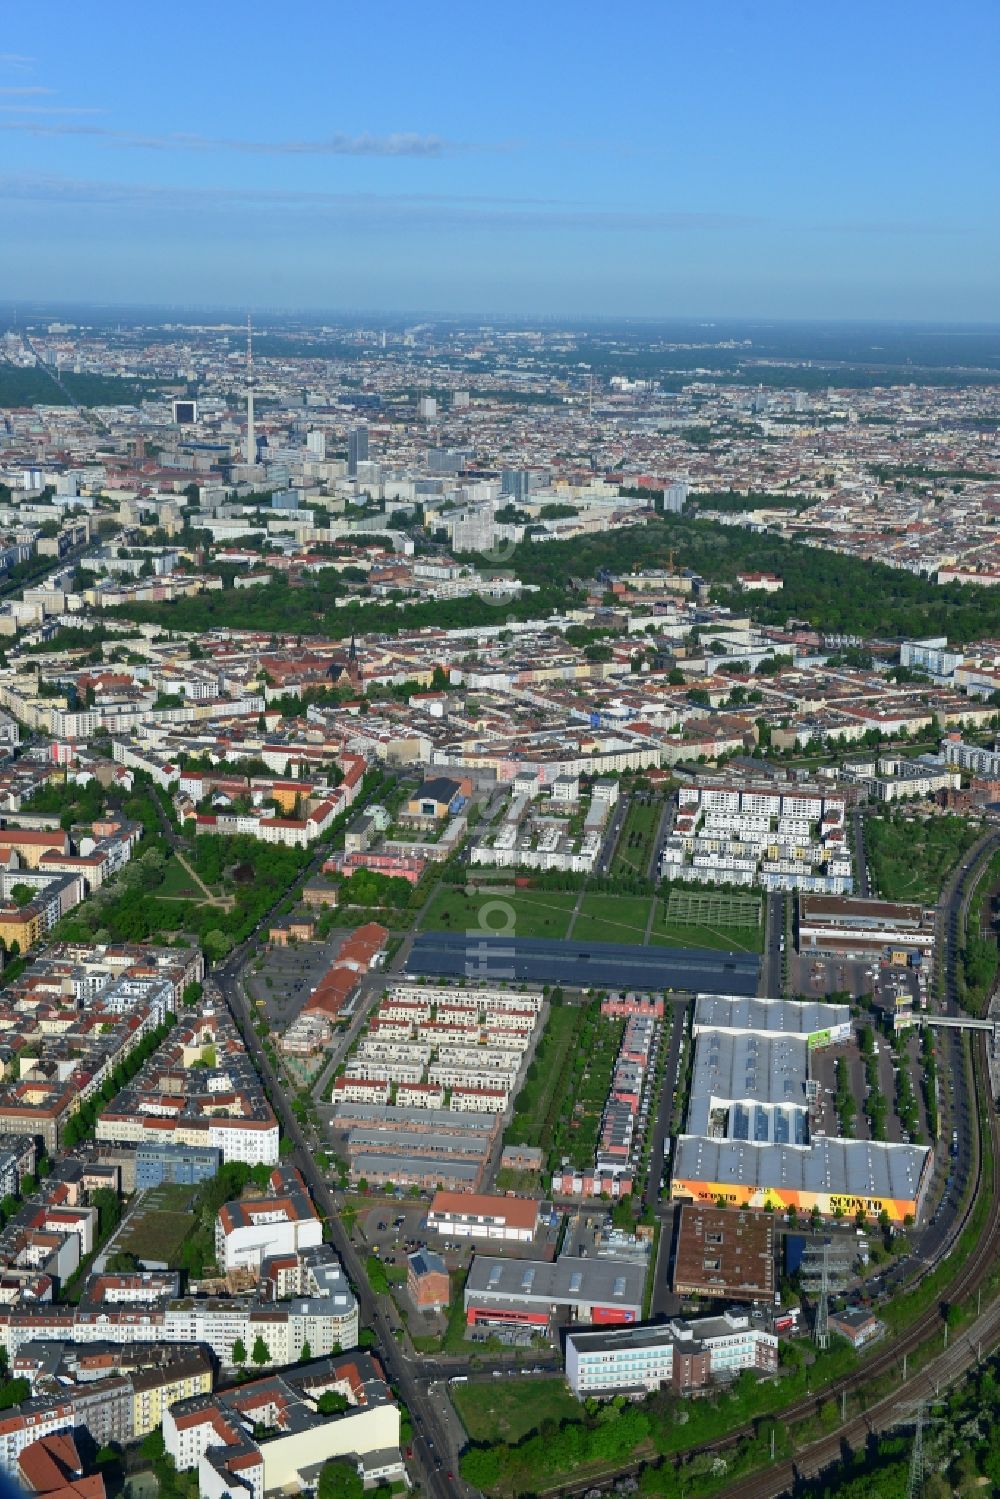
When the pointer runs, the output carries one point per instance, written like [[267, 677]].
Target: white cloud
[[403, 143]]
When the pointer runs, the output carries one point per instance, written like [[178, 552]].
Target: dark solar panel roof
[[582, 964]]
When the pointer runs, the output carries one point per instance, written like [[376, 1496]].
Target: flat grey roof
[[775, 1016], [857, 1168], [614, 1339], [568, 1281], [391, 1117], [752, 1068], [428, 1165], [652, 1335], [858, 911], [432, 1142]]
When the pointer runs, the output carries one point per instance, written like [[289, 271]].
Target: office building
[[516, 482], [184, 1165], [684, 1355], [357, 448]]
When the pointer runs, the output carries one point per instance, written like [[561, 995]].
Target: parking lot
[[887, 1065], [818, 977], [287, 975], [396, 1228]]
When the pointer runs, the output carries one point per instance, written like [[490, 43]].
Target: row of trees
[[80, 1126]]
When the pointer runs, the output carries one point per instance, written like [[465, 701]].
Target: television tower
[[251, 450]]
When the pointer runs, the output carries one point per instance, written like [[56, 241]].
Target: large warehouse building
[[748, 1142]]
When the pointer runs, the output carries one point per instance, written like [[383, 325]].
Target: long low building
[[838, 1177], [465, 1216], [864, 928], [583, 965], [421, 1147], [821, 1024], [348, 1115], [684, 1355], [530, 1293], [423, 1171]]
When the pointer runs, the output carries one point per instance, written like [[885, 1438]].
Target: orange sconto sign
[[830, 1204]]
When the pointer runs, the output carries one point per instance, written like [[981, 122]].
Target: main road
[[431, 1446], [436, 1456], [982, 1336]]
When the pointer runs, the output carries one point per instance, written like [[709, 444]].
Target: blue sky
[[652, 158]]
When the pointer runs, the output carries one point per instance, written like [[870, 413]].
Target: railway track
[[977, 1341], [885, 1367]]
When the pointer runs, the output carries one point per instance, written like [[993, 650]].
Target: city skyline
[[778, 165]]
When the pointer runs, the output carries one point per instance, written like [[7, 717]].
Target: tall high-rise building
[[251, 450], [316, 443], [357, 448], [516, 482], [427, 408], [675, 497]]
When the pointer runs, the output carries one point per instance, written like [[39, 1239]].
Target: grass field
[[729, 923], [713, 908], [536, 913], [505, 1410], [178, 882], [159, 1225], [723, 939], [710, 918], [537, 1105], [612, 918], [634, 848]]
